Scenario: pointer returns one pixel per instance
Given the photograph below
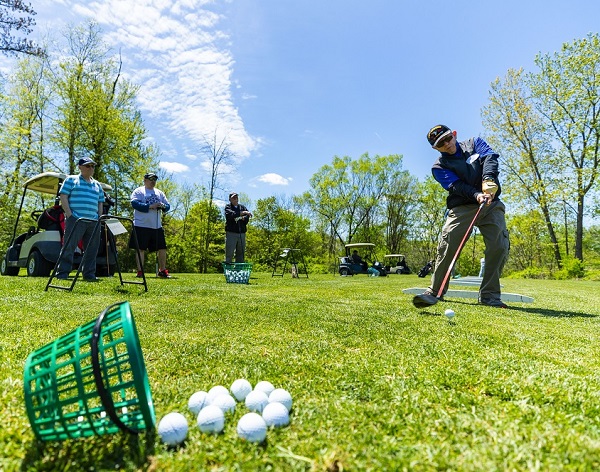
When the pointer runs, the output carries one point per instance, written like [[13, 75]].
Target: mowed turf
[[376, 383]]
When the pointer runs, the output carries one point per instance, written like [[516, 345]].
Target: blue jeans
[[75, 231]]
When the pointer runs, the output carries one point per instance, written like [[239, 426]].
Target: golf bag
[[426, 269]]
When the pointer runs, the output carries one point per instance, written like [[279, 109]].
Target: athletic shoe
[[139, 274], [62, 277], [431, 293], [163, 274], [91, 279], [495, 304]]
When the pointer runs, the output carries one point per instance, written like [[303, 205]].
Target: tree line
[[72, 100]]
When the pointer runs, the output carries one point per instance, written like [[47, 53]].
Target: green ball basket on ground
[[237, 272], [91, 381]]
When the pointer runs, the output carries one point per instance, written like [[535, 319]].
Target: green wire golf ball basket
[[237, 272], [91, 381]]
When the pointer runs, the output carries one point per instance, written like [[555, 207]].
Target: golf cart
[[367, 264], [395, 264], [38, 249]]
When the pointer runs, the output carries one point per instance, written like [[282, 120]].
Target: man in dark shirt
[[468, 170], [236, 220]]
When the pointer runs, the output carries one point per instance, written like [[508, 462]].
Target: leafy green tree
[[347, 194], [548, 122], [519, 133]]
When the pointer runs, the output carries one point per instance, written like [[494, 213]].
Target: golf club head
[[424, 300]]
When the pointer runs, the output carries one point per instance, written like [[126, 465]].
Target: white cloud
[[175, 52], [174, 167], [274, 179]]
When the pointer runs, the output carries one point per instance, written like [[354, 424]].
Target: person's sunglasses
[[444, 141], [90, 166]]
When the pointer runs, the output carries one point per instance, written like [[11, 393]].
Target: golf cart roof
[[394, 255], [351, 245], [49, 182]]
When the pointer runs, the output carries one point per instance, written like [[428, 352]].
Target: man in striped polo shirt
[[81, 196]]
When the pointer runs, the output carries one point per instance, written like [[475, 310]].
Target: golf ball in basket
[[276, 414], [282, 396], [215, 392], [240, 389], [256, 401], [265, 386], [225, 402], [252, 428], [197, 401], [173, 429], [211, 419], [449, 313]]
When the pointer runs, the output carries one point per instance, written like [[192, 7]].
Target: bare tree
[[16, 17], [218, 156]]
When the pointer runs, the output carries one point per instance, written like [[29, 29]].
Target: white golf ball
[[282, 396], [276, 414], [449, 313], [265, 386], [252, 428], [240, 389], [215, 392], [225, 402], [197, 401], [256, 400], [173, 428], [211, 419]]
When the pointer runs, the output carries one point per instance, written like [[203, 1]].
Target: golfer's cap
[[436, 133], [84, 161], [232, 194], [151, 176]]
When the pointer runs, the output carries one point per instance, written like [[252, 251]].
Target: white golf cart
[[365, 264], [395, 264], [38, 249]]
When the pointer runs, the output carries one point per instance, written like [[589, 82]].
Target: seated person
[[356, 259]]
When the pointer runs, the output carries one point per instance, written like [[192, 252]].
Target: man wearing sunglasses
[[81, 196], [468, 171]]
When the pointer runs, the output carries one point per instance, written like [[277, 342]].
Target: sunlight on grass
[[376, 383]]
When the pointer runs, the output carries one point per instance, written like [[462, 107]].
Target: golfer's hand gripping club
[[489, 187]]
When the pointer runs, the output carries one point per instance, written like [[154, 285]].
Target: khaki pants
[[492, 225]]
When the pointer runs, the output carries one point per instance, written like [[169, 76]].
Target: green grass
[[377, 385]]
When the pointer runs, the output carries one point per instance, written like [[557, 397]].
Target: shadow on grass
[[111, 452], [525, 309]]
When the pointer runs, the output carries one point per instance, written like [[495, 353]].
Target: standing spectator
[[468, 171], [236, 220], [81, 196], [148, 202]]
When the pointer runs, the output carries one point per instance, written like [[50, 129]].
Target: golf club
[[424, 300]]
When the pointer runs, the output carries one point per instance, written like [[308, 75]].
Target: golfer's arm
[[64, 201]]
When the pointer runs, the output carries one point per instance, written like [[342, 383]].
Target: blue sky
[[294, 83]]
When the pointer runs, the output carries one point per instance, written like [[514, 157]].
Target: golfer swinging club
[[468, 170]]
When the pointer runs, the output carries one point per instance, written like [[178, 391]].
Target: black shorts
[[149, 239]]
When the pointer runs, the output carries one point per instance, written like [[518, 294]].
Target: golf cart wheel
[[6, 270], [37, 266], [398, 271], [344, 271]]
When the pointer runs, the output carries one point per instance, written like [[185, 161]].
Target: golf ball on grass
[[449, 313], [225, 402], [172, 429], [275, 414], [211, 419], [265, 386], [197, 401], [214, 392], [240, 389], [256, 401], [282, 396], [252, 428]]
